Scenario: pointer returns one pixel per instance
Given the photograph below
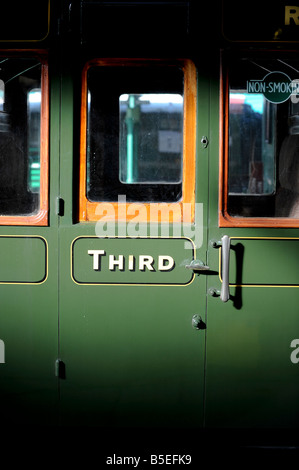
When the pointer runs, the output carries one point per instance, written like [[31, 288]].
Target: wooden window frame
[[224, 218], [87, 209], [41, 217]]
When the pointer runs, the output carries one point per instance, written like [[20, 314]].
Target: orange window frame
[[224, 218], [41, 217], [87, 209]]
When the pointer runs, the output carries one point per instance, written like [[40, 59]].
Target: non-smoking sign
[[276, 87]]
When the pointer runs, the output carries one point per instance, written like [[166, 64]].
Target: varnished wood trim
[[87, 209], [224, 219], [41, 218]]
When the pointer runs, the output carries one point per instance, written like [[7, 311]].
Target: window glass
[[1, 95], [151, 138], [263, 140], [252, 154], [20, 111], [34, 104], [134, 133]]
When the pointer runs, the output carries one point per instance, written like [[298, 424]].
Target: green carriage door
[[130, 353], [28, 284], [253, 312]]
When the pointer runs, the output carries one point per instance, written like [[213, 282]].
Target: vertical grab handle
[[225, 242]]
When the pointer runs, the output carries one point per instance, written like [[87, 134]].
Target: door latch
[[197, 266], [60, 206], [198, 323]]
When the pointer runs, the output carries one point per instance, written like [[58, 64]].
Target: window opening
[[23, 141], [126, 132], [138, 134], [263, 138]]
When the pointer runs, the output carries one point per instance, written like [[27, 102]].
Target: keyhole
[[204, 141]]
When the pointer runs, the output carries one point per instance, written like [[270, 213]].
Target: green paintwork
[[273, 254], [129, 354], [251, 382], [23, 259]]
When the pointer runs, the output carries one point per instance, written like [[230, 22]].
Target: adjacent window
[[261, 136], [23, 141], [137, 117]]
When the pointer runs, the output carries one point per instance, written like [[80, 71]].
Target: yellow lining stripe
[[127, 284], [256, 285], [47, 263]]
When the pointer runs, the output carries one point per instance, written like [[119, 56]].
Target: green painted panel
[[261, 261], [132, 261], [251, 379], [24, 259], [132, 357], [28, 329]]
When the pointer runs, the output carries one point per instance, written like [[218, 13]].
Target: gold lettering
[[146, 261], [165, 263], [291, 13], [113, 262], [96, 258], [131, 264]]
